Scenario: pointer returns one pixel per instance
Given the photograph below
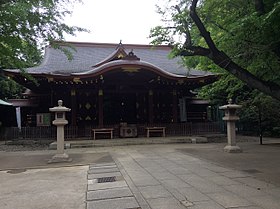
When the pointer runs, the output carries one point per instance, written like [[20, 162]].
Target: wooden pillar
[[73, 108], [151, 107], [52, 96], [100, 108], [174, 107]]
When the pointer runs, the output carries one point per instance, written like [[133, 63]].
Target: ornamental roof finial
[[120, 45]]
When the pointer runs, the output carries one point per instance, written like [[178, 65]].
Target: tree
[[26, 27], [239, 36], [260, 115]]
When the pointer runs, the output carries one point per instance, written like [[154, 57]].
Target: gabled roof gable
[[119, 53]]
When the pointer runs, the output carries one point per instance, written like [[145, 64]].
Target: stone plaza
[[159, 176]]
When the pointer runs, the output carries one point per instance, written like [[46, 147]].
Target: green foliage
[[9, 88], [260, 114], [251, 39], [25, 28], [247, 34]]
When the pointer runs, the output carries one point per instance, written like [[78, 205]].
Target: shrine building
[[108, 84]]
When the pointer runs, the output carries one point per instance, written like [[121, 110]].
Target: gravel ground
[[10, 146], [30, 145]]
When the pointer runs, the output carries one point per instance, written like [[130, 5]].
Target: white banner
[[18, 115]]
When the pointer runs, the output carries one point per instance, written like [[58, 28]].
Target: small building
[[107, 84]]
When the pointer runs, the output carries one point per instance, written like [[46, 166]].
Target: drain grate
[[252, 171], [106, 179]]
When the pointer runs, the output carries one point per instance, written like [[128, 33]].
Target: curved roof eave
[[124, 63], [118, 64]]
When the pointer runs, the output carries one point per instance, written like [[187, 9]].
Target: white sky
[[111, 21]]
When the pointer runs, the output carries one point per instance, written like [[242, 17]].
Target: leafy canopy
[[25, 28], [247, 31]]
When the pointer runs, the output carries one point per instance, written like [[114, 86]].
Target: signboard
[[43, 119]]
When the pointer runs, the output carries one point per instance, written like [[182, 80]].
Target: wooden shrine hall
[[107, 84]]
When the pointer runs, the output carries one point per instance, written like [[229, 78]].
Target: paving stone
[[165, 203], [108, 185], [109, 193], [175, 183], [147, 163], [134, 174], [222, 180], [175, 193], [143, 181], [100, 175], [206, 205], [273, 191], [192, 194], [117, 203], [156, 170], [103, 170], [154, 192], [217, 169], [204, 172], [207, 187], [137, 172], [202, 184], [228, 200], [163, 175], [255, 182], [179, 170], [104, 166], [249, 207], [235, 174], [244, 190], [266, 201]]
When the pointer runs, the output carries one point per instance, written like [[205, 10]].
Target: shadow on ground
[[23, 161]]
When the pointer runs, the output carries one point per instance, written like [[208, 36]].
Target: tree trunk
[[259, 7]]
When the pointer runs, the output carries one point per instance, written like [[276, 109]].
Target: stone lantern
[[60, 121], [230, 118]]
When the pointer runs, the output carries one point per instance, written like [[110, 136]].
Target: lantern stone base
[[57, 158], [232, 149]]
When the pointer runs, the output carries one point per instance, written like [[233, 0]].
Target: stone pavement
[[166, 178], [108, 189], [170, 176]]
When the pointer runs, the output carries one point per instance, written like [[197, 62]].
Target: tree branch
[[194, 51], [204, 33]]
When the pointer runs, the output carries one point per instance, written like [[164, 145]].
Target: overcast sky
[[111, 21]]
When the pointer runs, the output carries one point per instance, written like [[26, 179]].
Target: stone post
[[60, 122], [230, 118]]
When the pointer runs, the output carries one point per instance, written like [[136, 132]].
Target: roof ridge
[[91, 44]]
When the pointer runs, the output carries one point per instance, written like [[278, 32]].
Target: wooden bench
[[155, 129], [102, 131]]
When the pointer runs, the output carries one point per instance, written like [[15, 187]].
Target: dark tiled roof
[[87, 55]]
